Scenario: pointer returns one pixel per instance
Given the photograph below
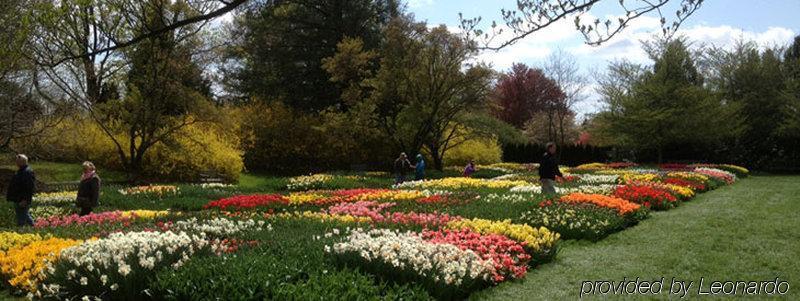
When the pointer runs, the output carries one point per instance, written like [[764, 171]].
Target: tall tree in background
[[283, 43], [790, 129], [757, 84], [425, 94], [165, 91], [562, 67], [650, 109], [522, 92], [23, 112]]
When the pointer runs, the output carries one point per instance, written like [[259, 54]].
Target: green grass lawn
[[747, 231], [65, 172]]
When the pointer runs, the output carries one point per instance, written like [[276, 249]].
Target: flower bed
[[48, 211], [9, 240], [99, 218], [649, 196], [591, 189], [55, 198], [446, 270], [24, 266], [508, 256], [355, 195], [218, 227], [598, 179], [690, 176], [216, 186], [540, 242], [157, 190], [415, 237], [460, 183], [718, 174], [575, 221], [623, 207], [695, 186], [117, 267], [316, 181], [247, 201]]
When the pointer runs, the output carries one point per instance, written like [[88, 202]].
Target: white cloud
[[535, 47], [727, 36], [419, 3]]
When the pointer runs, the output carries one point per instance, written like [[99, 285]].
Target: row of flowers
[[55, 198], [538, 242], [374, 212], [156, 190], [460, 183], [355, 195], [575, 220], [317, 181], [334, 197], [101, 218], [593, 189]]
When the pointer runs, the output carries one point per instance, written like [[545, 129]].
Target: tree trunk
[[660, 155], [437, 157], [561, 127]]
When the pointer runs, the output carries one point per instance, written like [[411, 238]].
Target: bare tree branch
[[177, 24], [531, 16]]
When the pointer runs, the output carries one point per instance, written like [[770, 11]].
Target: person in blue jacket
[[419, 173]]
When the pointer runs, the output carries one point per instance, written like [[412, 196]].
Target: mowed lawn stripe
[[747, 231]]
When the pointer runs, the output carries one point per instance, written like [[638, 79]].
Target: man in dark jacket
[[548, 170], [401, 167], [20, 191]]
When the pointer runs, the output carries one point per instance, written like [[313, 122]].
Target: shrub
[[195, 149], [481, 150], [280, 139]]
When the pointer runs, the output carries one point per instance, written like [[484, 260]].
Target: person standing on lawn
[[419, 173], [20, 191], [548, 169], [401, 167], [88, 189]]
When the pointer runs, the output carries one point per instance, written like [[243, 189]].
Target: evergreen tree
[[284, 42]]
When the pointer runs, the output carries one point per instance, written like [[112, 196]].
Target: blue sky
[[718, 22]]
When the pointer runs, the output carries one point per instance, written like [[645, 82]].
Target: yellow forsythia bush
[[195, 149], [198, 149], [483, 151]]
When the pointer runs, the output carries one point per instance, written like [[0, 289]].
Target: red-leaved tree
[[523, 92]]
